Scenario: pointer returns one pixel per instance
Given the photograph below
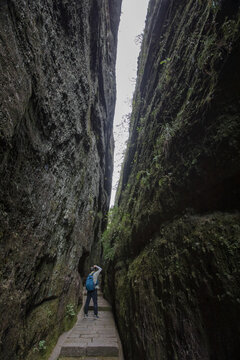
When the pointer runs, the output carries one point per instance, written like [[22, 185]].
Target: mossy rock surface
[[172, 244], [181, 294]]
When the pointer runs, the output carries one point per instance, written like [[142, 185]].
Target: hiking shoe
[[85, 316], [96, 317]]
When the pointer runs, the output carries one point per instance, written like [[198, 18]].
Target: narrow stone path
[[90, 338]]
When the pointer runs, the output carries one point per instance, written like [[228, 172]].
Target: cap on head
[[92, 268]]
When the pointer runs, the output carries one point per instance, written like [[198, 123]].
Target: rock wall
[[57, 61], [172, 243]]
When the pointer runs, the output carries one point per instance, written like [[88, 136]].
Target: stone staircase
[[90, 338]]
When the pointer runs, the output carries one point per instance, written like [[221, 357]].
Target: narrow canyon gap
[[130, 33], [57, 63]]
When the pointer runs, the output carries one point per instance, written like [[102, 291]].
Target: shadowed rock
[[57, 76]]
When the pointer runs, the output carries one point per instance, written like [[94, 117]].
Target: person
[[92, 294]]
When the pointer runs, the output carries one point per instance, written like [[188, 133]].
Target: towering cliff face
[[173, 244], [57, 61]]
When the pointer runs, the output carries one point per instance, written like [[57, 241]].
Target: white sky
[[131, 24]]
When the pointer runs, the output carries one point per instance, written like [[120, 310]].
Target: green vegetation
[[41, 347], [165, 61], [112, 238], [44, 348], [70, 312]]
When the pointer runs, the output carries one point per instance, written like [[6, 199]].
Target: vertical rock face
[[57, 61], [173, 243]]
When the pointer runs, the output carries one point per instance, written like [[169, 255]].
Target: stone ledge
[[89, 358], [97, 349], [72, 350], [101, 308]]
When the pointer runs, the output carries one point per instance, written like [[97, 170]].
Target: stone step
[[90, 358], [101, 308], [106, 349], [103, 305], [92, 338]]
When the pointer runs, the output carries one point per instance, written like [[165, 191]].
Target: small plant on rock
[[41, 347], [70, 312]]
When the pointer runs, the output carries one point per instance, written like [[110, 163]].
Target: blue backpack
[[90, 286]]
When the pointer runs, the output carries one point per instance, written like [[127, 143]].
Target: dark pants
[[91, 295]]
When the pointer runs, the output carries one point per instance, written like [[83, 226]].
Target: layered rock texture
[[57, 61], [173, 242]]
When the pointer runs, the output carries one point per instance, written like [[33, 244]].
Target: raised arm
[[95, 275]]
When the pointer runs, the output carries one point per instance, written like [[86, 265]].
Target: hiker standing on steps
[[91, 287]]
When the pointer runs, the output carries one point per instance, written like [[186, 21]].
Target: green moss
[[116, 234], [44, 317], [191, 258]]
